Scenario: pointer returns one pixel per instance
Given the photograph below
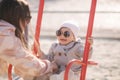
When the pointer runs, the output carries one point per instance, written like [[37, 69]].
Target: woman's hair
[[13, 11]]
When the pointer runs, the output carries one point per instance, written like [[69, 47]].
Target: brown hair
[[13, 11]]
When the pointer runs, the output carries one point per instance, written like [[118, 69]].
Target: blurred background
[[106, 31]]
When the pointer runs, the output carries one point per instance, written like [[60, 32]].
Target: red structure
[[85, 61], [10, 72], [38, 27]]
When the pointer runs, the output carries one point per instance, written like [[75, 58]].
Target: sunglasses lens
[[58, 32], [66, 34]]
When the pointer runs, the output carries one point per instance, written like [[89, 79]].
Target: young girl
[[68, 47], [14, 17]]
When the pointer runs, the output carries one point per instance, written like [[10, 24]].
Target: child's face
[[65, 36]]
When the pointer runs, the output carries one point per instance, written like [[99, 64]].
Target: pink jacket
[[12, 52]]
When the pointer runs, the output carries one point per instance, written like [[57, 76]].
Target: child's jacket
[[62, 54], [12, 52]]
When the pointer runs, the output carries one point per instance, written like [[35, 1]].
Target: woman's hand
[[18, 71], [35, 47], [54, 67]]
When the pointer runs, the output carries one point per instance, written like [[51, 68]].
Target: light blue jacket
[[62, 54]]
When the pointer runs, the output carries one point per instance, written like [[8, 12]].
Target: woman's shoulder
[[6, 28]]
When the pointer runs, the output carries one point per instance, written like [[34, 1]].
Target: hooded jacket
[[13, 52], [62, 54]]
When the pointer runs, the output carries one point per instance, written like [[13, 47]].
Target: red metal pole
[[78, 62], [69, 65], [10, 72], [87, 45], [38, 27]]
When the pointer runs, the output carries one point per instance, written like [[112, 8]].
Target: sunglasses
[[28, 18], [65, 34]]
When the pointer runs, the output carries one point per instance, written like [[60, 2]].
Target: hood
[[6, 28]]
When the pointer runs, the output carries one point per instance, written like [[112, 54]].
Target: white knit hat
[[73, 26]]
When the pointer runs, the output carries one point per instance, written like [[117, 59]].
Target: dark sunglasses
[[65, 34]]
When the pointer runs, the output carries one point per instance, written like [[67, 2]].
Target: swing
[[87, 45], [85, 61]]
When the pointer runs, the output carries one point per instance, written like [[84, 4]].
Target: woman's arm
[[12, 51]]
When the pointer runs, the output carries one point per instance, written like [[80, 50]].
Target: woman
[[14, 17]]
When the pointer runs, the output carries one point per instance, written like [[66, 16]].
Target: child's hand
[[90, 40]]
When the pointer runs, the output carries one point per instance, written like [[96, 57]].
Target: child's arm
[[50, 54], [50, 57], [80, 48]]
